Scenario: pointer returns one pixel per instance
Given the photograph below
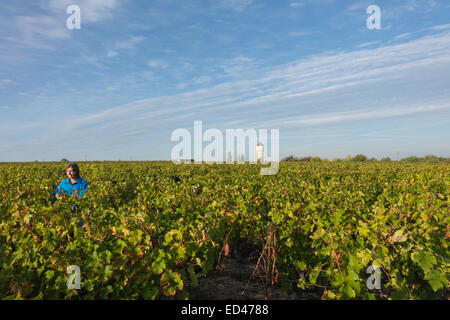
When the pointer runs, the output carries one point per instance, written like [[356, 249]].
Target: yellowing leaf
[[399, 236], [226, 249]]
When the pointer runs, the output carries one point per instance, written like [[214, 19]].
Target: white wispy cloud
[[403, 36], [94, 60], [147, 75], [92, 11], [396, 81], [296, 4], [236, 5], [313, 77], [350, 116], [6, 82], [157, 64], [358, 6], [130, 43], [38, 27], [182, 85], [441, 27], [202, 79], [236, 65], [367, 44], [399, 9], [39, 31], [111, 54], [187, 66], [394, 10], [299, 34]]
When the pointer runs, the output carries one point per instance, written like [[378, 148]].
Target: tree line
[[363, 158]]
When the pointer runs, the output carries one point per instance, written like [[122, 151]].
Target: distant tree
[[359, 157], [386, 159], [290, 158], [348, 158], [315, 159], [337, 160], [411, 159], [428, 158], [64, 160], [306, 159], [433, 158]]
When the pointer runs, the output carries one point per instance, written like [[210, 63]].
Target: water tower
[[259, 152]]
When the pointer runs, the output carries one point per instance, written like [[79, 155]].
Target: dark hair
[[75, 169]]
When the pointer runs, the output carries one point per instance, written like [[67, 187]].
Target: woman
[[74, 184]]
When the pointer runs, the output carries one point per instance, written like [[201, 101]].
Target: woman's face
[[70, 173]]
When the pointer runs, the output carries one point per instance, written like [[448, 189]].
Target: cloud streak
[[93, 11], [332, 89]]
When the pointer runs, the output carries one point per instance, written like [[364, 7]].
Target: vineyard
[[313, 227]]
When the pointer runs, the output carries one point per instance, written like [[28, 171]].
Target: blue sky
[[137, 70]]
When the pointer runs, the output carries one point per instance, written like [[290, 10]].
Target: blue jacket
[[79, 186]]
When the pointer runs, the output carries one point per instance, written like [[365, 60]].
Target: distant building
[[259, 152], [178, 161]]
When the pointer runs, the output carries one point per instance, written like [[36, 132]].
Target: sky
[[135, 71]]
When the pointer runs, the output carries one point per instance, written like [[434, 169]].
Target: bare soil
[[232, 280]]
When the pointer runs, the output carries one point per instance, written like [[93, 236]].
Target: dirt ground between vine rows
[[230, 281]]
